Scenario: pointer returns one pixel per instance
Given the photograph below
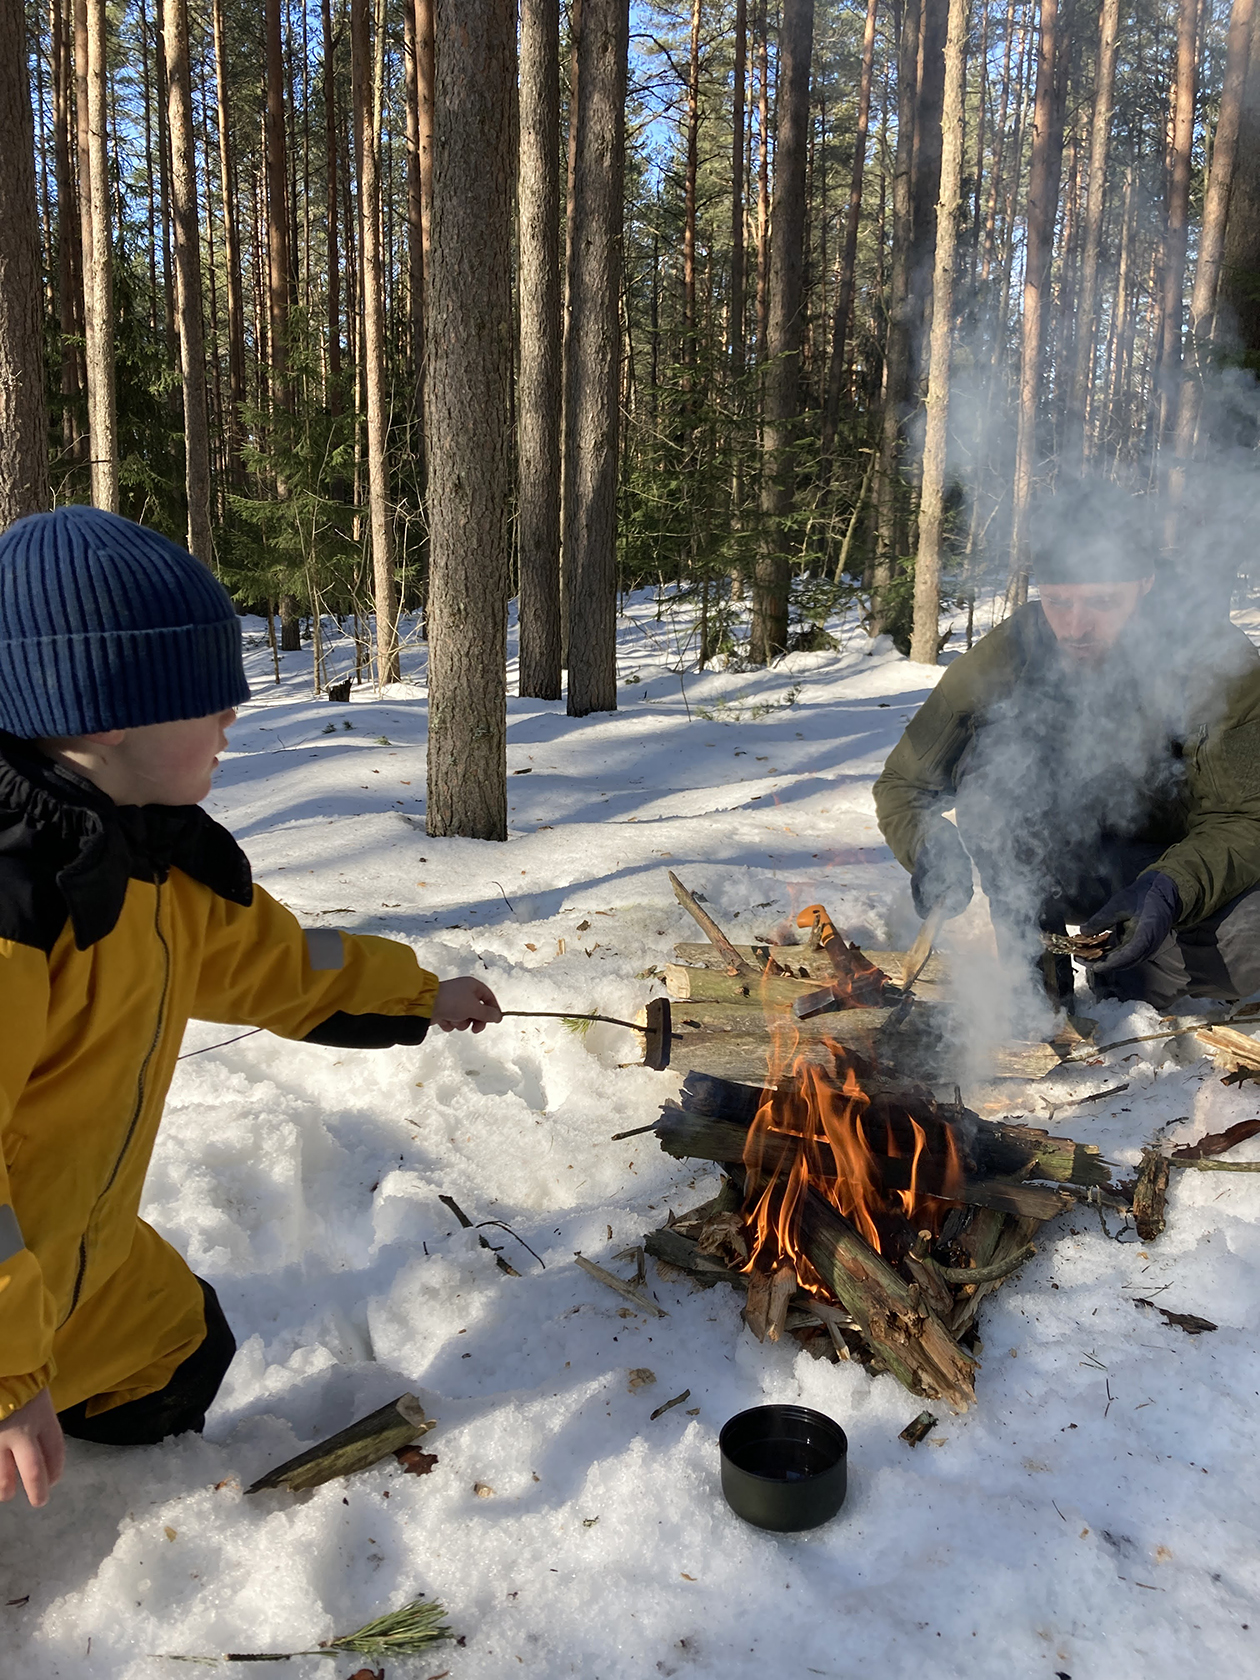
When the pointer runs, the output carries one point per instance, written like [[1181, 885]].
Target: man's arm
[[1220, 854]]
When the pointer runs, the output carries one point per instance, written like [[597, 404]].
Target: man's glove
[[1151, 904], [942, 873]]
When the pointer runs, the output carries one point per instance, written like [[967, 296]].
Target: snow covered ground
[[1095, 1515]]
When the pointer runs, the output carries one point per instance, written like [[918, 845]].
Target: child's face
[[163, 763]]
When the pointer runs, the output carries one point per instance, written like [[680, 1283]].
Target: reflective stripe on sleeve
[[11, 1239], [324, 948]]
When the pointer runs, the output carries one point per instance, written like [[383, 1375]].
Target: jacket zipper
[[138, 1108]]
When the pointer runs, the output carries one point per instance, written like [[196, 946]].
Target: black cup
[[784, 1467]]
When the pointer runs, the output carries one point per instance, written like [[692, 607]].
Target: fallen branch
[[627, 1289], [1217, 1166], [706, 921], [352, 1449]]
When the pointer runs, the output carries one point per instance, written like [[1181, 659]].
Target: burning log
[[705, 1138], [803, 962]]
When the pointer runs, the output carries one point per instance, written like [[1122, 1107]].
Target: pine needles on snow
[[406, 1632]]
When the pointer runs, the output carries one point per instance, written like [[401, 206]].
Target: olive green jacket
[[1212, 830]]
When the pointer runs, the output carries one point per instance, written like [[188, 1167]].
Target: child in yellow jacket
[[126, 911]]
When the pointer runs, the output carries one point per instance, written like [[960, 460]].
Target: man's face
[[1087, 618]]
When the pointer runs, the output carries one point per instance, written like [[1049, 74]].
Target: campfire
[[858, 1212]]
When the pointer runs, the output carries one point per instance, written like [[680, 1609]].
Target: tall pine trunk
[[1207, 273], [924, 641], [98, 256], [1095, 192], [1177, 219], [1045, 167], [469, 415], [848, 255], [278, 253], [192, 349], [785, 334], [231, 262], [380, 519], [592, 357], [539, 384], [23, 416], [1239, 292]]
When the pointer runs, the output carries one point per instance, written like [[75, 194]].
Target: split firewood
[[1150, 1194], [809, 962], [1229, 1047], [783, 1286], [757, 1306], [354, 1448], [735, 962]]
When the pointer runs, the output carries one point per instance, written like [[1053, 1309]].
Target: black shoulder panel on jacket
[[369, 1032]]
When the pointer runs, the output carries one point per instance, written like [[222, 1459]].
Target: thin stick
[[622, 1288], [980, 1274], [670, 1404], [1204, 1165], [709, 925], [557, 1015]]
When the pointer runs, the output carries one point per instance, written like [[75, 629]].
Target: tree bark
[[69, 248], [848, 257], [380, 521], [924, 644], [539, 384], [98, 265], [925, 179], [332, 394], [232, 262], [592, 357], [1240, 264], [424, 120], [785, 334], [690, 348], [192, 349], [1095, 191], [762, 47], [735, 325], [469, 415], [1042, 205], [278, 254], [896, 392], [23, 414], [1207, 273], [1177, 219]]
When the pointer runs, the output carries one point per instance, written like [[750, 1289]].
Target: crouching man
[[1100, 750], [124, 911]]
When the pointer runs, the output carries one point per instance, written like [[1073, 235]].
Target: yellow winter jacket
[[117, 926]]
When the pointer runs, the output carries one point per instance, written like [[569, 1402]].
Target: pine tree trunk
[[690, 347], [424, 120], [278, 255], [332, 395], [469, 415], [735, 324], [1042, 205], [98, 266], [1177, 220], [763, 178], [380, 520], [785, 334], [924, 645], [1095, 191], [69, 250], [539, 385], [415, 211], [925, 180], [1239, 293], [896, 392], [232, 262], [592, 358], [23, 414], [1207, 273], [848, 257], [290, 625], [192, 349]]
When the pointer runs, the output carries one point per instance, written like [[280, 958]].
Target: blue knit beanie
[[106, 625]]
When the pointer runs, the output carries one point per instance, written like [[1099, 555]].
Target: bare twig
[[627, 1289]]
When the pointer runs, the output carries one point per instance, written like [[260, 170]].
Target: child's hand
[[465, 1002], [32, 1447]]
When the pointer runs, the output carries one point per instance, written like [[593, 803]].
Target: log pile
[[734, 1002], [910, 1307]]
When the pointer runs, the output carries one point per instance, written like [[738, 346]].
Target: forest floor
[[1061, 1528]]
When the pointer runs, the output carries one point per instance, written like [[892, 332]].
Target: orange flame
[[889, 1171]]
